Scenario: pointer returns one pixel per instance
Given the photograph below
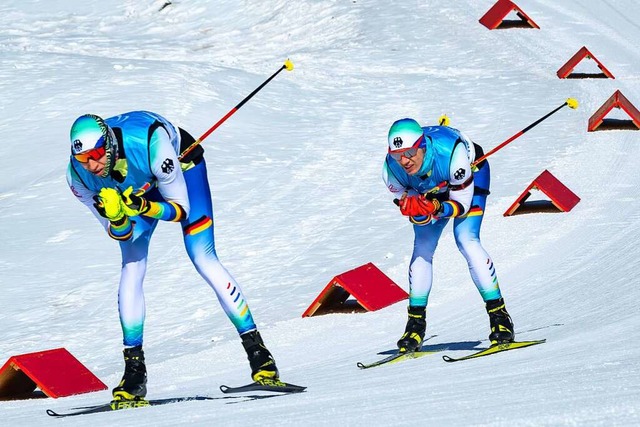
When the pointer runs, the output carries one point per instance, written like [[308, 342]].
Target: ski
[[118, 405], [497, 348], [394, 358], [265, 385]]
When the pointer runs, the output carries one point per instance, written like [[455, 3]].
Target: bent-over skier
[[126, 170], [429, 172]]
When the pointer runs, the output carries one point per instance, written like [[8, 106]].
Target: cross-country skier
[[429, 172], [126, 170]]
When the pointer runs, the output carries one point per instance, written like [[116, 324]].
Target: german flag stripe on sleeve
[[198, 226], [475, 211]]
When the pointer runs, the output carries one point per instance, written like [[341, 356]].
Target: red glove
[[418, 206]]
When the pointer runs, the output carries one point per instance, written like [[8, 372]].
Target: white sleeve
[[166, 168], [461, 178], [391, 181], [84, 195]]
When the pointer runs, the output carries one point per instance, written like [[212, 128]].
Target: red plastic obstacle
[[562, 199], [56, 372], [566, 70], [370, 287], [617, 100], [494, 18]]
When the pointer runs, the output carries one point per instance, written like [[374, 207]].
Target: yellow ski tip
[[572, 103], [443, 120], [288, 65]]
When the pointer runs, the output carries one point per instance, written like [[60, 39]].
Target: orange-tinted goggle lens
[[95, 154]]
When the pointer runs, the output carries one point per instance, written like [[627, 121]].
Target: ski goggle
[[406, 152], [95, 153]]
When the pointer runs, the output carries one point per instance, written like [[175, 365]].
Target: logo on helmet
[[167, 166], [397, 142], [459, 174], [77, 145]]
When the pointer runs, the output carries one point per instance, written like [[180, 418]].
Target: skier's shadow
[[248, 398], [463, 345], [432, 348], [459, 345]]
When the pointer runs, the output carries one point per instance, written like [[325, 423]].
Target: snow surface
[[296, 185]]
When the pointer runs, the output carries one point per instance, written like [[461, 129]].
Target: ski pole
[[288, 65], [571, 103]]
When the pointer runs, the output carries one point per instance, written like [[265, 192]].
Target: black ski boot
[[500, 322], [263, 366], [413, 335], [133, 385]]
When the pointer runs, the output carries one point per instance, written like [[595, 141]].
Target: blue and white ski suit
[[446, 174], [148, 150]]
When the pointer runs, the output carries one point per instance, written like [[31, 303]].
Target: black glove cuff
[[119, 222]]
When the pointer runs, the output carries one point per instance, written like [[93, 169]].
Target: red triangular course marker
[[494, 18], [565, 72], [56, 372], [561, 198], [370, 288], [599, 121]]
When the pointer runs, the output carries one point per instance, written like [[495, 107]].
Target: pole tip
[[572, 103], [288, 65], [443, 120]]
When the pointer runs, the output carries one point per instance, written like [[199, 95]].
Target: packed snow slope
[[295, 177]]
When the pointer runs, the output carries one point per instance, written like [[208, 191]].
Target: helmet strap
[[111, 153]]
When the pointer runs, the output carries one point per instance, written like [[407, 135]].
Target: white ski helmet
[[403, 134]]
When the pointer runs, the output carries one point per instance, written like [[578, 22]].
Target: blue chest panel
[[135, 128]]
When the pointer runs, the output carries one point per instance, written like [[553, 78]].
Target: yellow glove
[[109, 205], [133, 205]]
